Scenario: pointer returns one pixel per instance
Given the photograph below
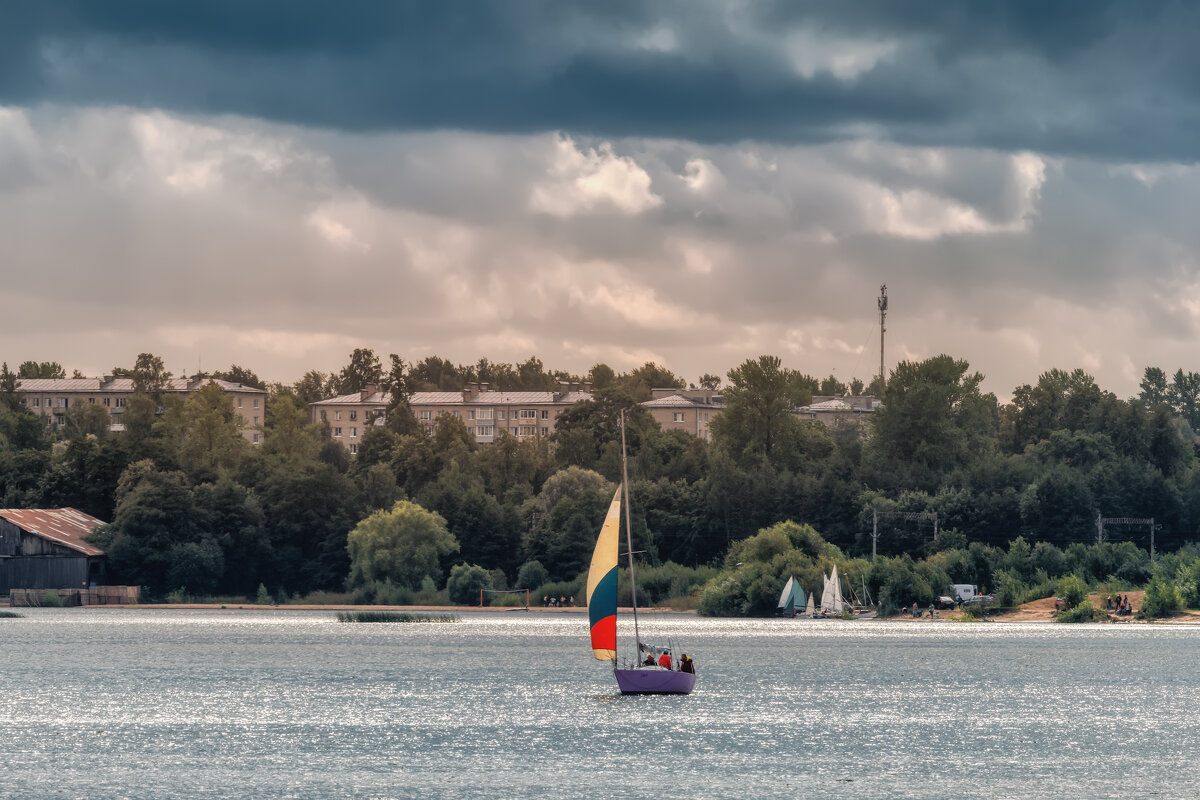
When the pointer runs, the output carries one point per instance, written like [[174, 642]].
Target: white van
[[965, 591]]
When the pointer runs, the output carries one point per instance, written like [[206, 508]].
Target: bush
[[9, 615], [1188, 582], [1083, 612], [263, 598], [50, 599], [1072, 590], [179, 595], [531, 575], [1161, 600], [465, 583]]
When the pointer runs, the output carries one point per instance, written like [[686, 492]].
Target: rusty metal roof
[[65, 526]]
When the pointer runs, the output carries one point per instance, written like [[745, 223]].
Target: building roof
[[496, 398], [65, 526], [123, 385], [679, 401], [356, 398], [828, 406]]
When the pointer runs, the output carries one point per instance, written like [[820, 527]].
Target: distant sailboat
[[791, 600], [810, 610], [831, 595], [635, 678]]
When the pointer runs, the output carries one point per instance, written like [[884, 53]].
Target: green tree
[[403, 545], [149, 374], [43, 369], [364, 369], [1154, 387], [245, 377], [602, 376], [935, 421], [710, 382], [757, 423], [465, 582], [315, 386]]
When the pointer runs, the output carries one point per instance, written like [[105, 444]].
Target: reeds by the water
[[9, 615], [393, 616]]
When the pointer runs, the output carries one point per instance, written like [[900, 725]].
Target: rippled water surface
[[256, 704]]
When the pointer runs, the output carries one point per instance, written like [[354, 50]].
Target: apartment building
[[839, 412], [688, 410], [53, 397], [525, 415], [348, 415]]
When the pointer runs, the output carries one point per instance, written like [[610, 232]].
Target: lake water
[[292, 704]]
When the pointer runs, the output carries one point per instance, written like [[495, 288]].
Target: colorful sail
[[602, 585], [787, 603]]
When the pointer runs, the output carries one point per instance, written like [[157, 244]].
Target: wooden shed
[[44, 548]]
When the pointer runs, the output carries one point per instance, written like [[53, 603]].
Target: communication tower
[[883, 307]]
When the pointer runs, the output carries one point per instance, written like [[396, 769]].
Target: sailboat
[[633, 677], [831, 596], [791, 600]]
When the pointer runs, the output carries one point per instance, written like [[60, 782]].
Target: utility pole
[[883, 307]]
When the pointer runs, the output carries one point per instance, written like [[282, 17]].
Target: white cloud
[[579, 181]]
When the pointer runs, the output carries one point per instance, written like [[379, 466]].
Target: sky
[[693, 183]]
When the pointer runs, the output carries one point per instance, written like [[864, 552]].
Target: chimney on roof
[[368, 390]]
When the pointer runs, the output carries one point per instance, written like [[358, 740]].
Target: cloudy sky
[[692, 183]]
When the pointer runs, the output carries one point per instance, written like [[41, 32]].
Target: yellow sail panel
[[602, 585]]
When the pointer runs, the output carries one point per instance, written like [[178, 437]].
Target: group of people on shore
[[558, 602], [1122, 605]]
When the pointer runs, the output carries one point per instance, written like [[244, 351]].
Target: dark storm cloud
[[1109, 80]]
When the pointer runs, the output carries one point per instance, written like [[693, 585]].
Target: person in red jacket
[[665, 659]]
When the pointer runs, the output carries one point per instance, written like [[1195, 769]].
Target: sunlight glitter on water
[[181, 704]]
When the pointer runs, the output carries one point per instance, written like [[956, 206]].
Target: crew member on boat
[[665, 659], [685, 664]]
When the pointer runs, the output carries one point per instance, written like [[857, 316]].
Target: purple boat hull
[[654, 681]]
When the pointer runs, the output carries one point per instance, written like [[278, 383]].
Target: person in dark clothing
[[649, 662], [686, 665]]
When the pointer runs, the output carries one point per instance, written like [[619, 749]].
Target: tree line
[[193, 504]]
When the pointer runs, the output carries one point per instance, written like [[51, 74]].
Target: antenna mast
[[883, 307]]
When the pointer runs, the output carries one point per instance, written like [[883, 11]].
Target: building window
[[353, 416], [106, 402], [91, 401], [256, 402], [545, 414], [677, 416], [323, 417], [239, 402], [528, 430], [426, 415], [256, 438], [514, 431], [500, 414], [485, 413], [37, 402], [62, 402], [545, 431], [337, 416], [470, 413], [256, 420], [337, 432], [354, 431], [528, 413], [485, 430], [353, 449], [121, 402]]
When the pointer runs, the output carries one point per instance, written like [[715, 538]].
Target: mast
[[637, 637]]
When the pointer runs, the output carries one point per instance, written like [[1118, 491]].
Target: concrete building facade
[[53, 397]]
